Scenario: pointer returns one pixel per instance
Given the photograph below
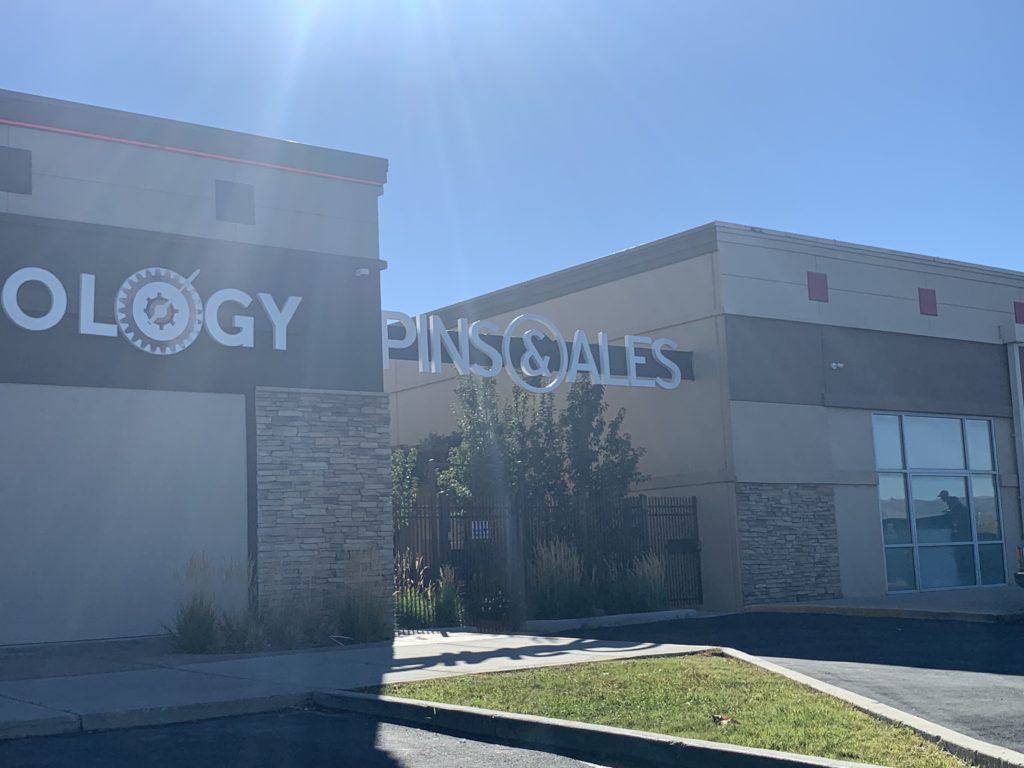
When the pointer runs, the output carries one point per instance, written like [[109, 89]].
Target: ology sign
[[156, 309]]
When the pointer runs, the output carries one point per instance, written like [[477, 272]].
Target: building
[[852, 425], [190, 367]]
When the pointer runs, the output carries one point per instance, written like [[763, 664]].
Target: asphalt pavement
[[280, 740], [968, 676]]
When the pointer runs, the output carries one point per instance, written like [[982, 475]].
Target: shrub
[[414, 599], [240, 632], [449, 608], [652, 589], [363, 617], [639, 587], [195, 626], [414, 607], [557, 585]]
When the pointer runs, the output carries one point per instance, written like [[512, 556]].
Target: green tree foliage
[[524, 448], [404, 483]]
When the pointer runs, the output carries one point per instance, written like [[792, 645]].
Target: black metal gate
[[470, 538]]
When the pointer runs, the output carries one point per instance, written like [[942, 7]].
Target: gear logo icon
[[159, 311]]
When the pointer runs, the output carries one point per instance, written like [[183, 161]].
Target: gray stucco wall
[[789, 362], [323, 480], [788, 542], [107, 494]]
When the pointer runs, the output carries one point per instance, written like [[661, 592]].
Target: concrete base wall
[[105, 496], [788, 542], [323, 479]]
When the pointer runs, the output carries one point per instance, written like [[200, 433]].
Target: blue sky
[[526, 137]]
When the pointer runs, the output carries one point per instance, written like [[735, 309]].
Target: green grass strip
[[684, 696]]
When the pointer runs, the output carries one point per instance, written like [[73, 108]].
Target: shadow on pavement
[[287, 739], [930, 644]]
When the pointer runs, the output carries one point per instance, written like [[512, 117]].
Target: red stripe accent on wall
[[185, 151]]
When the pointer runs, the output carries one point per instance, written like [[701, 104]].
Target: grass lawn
[[681, 695]]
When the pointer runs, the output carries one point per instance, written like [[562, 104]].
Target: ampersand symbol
[[533, 363]]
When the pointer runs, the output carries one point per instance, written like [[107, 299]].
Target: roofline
[[638, 259], [669, 250], [103, 124], [907, 257]]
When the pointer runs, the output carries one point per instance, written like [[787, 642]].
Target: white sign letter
[[387, 344], [279, 318], [632, 358], [674, 374], [87, 324], [581, 348], [608, 380], [243, 335], [492, 354], [58, 299], [440, 339]]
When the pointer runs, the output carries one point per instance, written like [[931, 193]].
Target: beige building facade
[[849, 428]]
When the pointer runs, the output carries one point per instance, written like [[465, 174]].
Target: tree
[[523, 448], [601, 460], [404, 484]]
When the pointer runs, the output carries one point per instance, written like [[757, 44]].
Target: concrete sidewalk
[[146, 688], [154, 689]]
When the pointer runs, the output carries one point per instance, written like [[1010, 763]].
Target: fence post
[[515, 560]]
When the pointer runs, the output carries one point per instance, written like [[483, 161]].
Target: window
[[15, 170], [938, 500], [235, 202]]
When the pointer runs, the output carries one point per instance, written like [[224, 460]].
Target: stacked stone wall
[[789, 548], [323, 483]]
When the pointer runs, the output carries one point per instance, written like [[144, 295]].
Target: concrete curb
[[583, 739], [974, 751], [545, 626], [891, 613], [185, 713], [59, 724], [108, 721]]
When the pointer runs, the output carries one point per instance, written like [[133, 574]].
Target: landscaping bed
[[700, 696]]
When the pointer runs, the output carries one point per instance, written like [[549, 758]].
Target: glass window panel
[[992, 563], [933, 443], [946, 566], [983, 501], [940, 509], [888, 453], [899, 568], [892, 500], [979, 446]]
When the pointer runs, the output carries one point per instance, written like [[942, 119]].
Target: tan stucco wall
[[700, 442], [683, 430]]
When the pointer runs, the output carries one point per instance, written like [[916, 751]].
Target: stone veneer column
[[789, 548], [323, 484]]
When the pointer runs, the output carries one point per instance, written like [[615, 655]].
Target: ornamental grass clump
[[194, 629], [362, 616], [647, 573], [449, 608], [639, 587], [557, 584]]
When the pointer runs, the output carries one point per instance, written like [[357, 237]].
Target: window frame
[[968, 473]]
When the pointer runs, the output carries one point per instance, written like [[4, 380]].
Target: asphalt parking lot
[[305, 739], [968, 676]]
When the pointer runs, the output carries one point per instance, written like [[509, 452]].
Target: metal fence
[[472, 539]]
